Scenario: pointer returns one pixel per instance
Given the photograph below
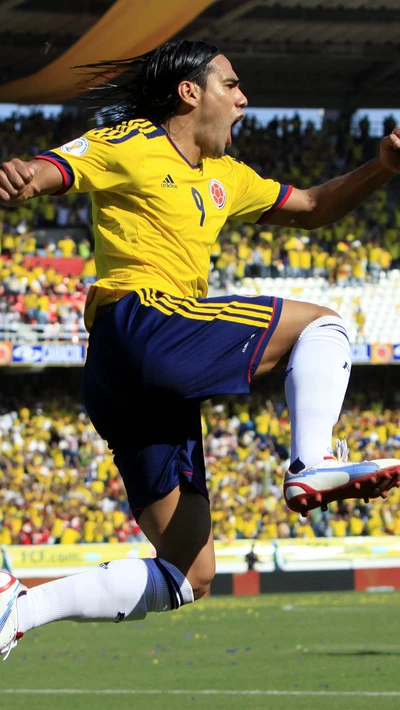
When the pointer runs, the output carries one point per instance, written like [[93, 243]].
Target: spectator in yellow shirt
[[356, 523], [338, 526], [66, 247], [70, 536]]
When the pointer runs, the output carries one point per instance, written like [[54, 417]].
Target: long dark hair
[[147, 85]]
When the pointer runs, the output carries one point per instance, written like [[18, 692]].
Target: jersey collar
[[194, 167]]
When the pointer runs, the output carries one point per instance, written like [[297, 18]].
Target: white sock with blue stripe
[[123, 589], [315, 385]]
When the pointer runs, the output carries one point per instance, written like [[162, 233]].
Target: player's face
[[221, 106]]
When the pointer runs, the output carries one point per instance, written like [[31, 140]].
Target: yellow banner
[[320, 553], [338, 552], [28, 557], [5, 353], [340, 547], [381, 353], [129, 28]]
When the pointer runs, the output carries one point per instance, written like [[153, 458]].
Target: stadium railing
[[29, 333]]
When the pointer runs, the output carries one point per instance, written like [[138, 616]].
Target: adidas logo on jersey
[[168, 182]]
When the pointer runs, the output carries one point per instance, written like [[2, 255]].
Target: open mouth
[[239, 118], [233, 124]]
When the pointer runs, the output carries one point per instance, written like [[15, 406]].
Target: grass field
[[314, 651]]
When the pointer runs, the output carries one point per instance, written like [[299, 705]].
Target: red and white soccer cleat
[[10, 589], [336, 479]]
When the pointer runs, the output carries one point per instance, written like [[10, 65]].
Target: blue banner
[[75, 354], [49, 354], [360, 352]]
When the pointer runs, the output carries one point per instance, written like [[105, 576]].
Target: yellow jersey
[[155, 215]]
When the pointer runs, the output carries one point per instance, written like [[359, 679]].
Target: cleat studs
[[366, 500], [384, 494], [357, 486], [324, 508], [303, 507], [373, 480], [318, 497]]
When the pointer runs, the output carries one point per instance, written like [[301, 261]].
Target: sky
[[264, 115]]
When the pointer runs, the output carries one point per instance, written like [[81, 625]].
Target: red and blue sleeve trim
[[283, 195], [63, 166]]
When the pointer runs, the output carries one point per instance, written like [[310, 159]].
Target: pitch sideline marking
[[311, 693]]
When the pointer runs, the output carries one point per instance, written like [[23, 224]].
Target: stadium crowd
[[58, 482]]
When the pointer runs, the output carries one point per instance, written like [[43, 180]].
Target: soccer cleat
[[10, 589], [336, 479]]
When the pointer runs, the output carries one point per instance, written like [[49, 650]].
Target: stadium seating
[[379, 302]]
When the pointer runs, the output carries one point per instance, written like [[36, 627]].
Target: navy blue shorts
[[152, 359]]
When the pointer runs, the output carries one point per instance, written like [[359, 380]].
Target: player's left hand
[[390, 150]]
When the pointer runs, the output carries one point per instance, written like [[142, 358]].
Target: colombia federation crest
[[218, 193]]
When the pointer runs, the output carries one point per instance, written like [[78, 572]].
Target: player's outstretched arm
[[334, 199], [21, 180]]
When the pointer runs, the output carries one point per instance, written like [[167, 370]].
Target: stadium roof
[[304, 53]]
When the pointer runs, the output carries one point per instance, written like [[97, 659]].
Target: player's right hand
[[15, 174]]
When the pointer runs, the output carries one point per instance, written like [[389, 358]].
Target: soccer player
[[162, 188]]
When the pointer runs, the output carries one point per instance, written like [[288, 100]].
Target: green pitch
[[297, 652]]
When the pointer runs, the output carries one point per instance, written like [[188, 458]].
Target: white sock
[[315, 385], [123, 589]]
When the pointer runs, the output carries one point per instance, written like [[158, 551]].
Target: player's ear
[[189, 92]]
